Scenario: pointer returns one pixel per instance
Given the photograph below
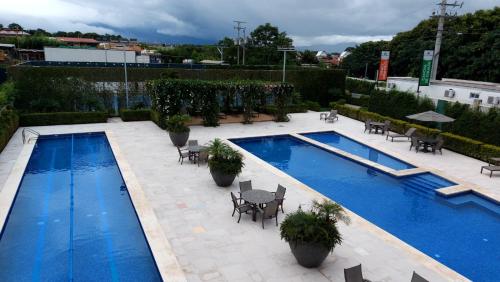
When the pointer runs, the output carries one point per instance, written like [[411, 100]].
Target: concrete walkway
[[195, 215]]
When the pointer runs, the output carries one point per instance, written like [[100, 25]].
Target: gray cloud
[[319, 22]]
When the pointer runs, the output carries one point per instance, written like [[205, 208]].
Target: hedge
[[135, 115], [489, 151], [359, 86], [37, 119], [463, 145], [9, 122]]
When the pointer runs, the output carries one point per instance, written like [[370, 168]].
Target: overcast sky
[[313, 22]]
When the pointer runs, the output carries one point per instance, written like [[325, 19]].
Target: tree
[[263, 44], [1, 26], [365, 55], [15, 26], [308, 57]]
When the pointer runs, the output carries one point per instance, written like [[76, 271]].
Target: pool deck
[[195, 215]]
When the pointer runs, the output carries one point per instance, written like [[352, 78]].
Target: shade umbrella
[[431, 116]]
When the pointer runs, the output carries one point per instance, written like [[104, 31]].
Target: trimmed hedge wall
[[459, 144], [37, 119], [135, 115], [359, 86], [9, 122]]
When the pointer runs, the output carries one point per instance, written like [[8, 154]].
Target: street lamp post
[[284, 50]]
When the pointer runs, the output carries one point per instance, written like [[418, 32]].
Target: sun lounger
[[408, 134], [491, 168]]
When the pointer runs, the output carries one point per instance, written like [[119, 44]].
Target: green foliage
[[177, 123], [36, 119], [312, 106], [224, 159], [7, 93], [135, 115], [397, 104], [489, 151], [318, 85], [470, 50], [9, 122], [359, 86], [308, 57], [171, 96], [463, 145], [156, 118], [32, 42], [282, 99], [319, 225]]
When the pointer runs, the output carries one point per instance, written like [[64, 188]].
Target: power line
[[439, 35], [239, 28]]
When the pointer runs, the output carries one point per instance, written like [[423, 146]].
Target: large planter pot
[[222, 179], [309, 254], [179, 139]]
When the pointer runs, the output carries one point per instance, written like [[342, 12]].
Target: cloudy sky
[[310, 23]]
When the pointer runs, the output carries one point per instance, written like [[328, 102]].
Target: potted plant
[[225, 163], [177, 129], [313, 234]]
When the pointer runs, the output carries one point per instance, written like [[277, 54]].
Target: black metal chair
[[438, 146], [240, 208], [354, 274], [417, 278], [415, 142], [245, 186], [202, 156], [368, 125], [387, 125], [409, 133], [279, 196], [183, 153], [192, 143], [270, 211]]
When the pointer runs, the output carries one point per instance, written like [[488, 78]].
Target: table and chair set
[[194, 152], [258, 201]]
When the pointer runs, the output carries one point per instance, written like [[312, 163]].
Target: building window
[[474, 95]]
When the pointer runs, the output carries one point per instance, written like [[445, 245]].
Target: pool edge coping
[[164, 256], [424, 259]]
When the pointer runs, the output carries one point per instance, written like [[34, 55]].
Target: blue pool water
[[73, 219], [341, 142], [462, 232]]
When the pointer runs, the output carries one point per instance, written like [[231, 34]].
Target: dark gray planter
[[309, 254], [179, 139], [222, 179]]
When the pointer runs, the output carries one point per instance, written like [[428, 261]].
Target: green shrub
[[156, 118], [397, 125], [462, 145], [9, 122], [312, 106], [365, 115], [37, 119], [347, 111], [319, 225], [177, 123], [489, 151], [135, 115], [359, 86], [423, 130], [297, 108], [224, 159]]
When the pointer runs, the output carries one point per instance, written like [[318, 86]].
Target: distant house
[[31, 54], [78, 42], [4, 33]]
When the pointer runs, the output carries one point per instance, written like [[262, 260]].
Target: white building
[[92, 55], [476, 93]]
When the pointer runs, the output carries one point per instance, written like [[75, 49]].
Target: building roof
[[77, 40], [4, 45], [10, 32]]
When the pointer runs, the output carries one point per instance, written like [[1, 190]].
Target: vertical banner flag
[[425, 72], [384, 66]]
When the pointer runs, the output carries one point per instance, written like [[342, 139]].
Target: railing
[[26, 132]]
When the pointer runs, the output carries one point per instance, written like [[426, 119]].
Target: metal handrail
[[32, 131]]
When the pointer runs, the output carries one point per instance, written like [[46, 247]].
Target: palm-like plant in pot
[[313, 234], [225, 163], [177, 129]]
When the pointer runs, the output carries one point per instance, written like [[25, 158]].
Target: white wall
[[87, 55], [462, 89]]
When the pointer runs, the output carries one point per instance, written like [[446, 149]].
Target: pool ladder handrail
[[25, 133]]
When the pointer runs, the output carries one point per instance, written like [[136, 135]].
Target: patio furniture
[[427, 142], [240, 208], [377, 125], [192, 143], [417, 278], [202, 157], [493, 161], [368, 125], [415, 143], [194, 151], [438, 146], [409, 133], [245, 186], [257, 197], [270, 211], [323, 116], [387, 125], [332, 117], [491, 168], [354, 274], [279, 196], [183, 153]]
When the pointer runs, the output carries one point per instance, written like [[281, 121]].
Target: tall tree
[[15, 26], [263, 45]]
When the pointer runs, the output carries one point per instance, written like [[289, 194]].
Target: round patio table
[[195, 150], [257, 197], [427, 142], [377, 125]]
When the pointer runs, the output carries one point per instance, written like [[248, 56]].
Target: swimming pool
[[349, 145], [73, 219], [458, 232]]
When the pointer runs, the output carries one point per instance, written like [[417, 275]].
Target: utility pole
[[244, 43], [238, 28], [439, 36], [126, 80], [221, 52], [284, 50]]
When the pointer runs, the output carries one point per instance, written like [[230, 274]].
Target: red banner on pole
[[383, 68]]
